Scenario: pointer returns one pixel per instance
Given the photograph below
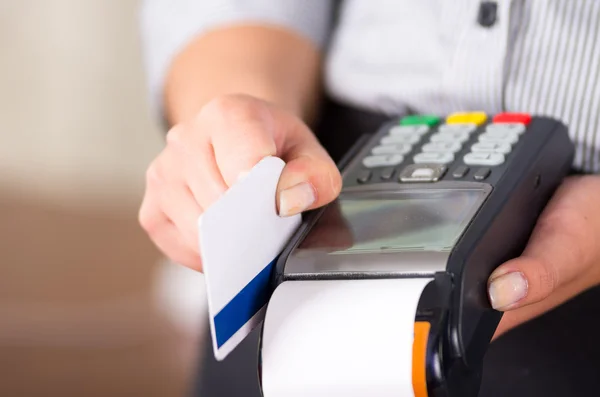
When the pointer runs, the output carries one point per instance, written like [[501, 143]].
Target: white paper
[[345, 338]]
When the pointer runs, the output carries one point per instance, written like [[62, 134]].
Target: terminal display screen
[[428, 219]]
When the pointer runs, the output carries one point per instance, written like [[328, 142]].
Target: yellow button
[[476, 118]]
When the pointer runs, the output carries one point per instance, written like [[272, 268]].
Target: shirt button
[[488, 13]]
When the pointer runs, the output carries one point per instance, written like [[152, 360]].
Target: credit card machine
[[448, 198]]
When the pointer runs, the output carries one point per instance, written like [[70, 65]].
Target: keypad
[[421, 148], [496, 142]]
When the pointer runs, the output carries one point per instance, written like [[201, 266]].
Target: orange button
[[523, 118], [476, 118], [419, 369]]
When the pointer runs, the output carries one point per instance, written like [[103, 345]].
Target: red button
[[523, 118]]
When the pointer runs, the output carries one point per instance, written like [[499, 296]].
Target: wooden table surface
[[78, 316]]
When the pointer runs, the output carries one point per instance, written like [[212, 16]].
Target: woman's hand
[[562, 258], [206, 155]]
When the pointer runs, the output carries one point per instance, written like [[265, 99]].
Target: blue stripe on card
[[244, 305]]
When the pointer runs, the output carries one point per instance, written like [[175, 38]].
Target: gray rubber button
[[482, 173], [460, 171], [364, 176]]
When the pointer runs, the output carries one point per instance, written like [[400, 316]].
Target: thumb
[[554, 257], [310, 178]]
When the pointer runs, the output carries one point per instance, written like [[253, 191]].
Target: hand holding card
[[241, 236]]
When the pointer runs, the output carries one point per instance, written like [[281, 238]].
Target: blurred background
[[87, 305]]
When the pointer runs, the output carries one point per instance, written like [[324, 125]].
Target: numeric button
[[398, 148], [433, 158], [499, 137], [419, 130], [466, 127], [382, 160], [517, 128], [403, 139], [450, 147], [490, 159], [491, 147], [459, 137]]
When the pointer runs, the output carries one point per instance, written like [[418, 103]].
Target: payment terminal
[[447, 198]]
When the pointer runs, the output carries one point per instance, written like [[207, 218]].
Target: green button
[[418, 119]]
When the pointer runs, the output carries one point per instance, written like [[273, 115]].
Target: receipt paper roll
[[350, 338]]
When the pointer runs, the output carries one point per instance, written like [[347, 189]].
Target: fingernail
[[296, 199], [507, 289]]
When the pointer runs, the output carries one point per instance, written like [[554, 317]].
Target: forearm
[[267, 62]]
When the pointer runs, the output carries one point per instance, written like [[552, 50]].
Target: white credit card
[[241, 236]]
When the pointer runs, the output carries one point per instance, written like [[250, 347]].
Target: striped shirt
[[424, 56]]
